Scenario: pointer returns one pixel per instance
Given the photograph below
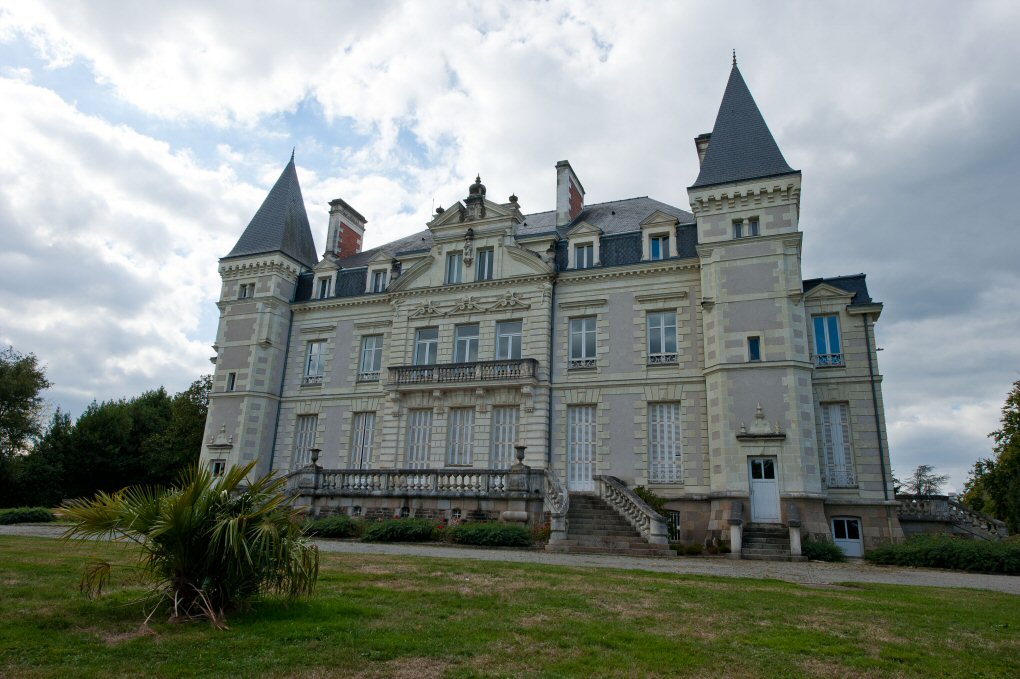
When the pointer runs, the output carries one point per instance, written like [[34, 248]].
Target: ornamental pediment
[[584, 229], [659, 217], [826, 291]]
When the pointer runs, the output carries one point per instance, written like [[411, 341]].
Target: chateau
[[502, 364]]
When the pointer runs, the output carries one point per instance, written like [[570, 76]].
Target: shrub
[[651, 499], [209, 544], [822, 550], [400, 530], [491, 534], [334, 527], [25, 515], [944, 551], [695, 549], [540, 534]]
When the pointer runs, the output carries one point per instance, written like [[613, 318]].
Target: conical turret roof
[[281, 224], [741, 147]]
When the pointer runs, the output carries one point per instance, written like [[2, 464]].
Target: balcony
[[829, 361], [514, 371]]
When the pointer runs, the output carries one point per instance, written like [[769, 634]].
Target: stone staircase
[[593, 527], [766, 542]]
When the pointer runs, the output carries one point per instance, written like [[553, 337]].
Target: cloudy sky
[[137, 140]]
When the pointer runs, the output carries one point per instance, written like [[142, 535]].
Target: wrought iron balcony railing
[[458, 373], [829, 360]]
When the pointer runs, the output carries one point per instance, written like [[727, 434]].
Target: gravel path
[[810, 573]]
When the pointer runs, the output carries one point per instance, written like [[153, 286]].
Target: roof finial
[[734, 57], [292, 150]]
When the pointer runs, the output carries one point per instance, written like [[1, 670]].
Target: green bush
[[25, 515], [695, 549], [400, 530], [490, 534], [334, 527], [651, 499], [945, 551], [822, 550]]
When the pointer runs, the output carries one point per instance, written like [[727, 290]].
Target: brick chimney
[[346, 229], [569, 194]]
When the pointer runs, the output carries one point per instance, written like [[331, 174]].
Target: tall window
[[246, 291], [738, 229], [581, 435], [426, 346], [582, 342], [508, 340], [664, 451], [504, 436], [584, 256], [460, 436], [658, 247], [218, 467], [371, 358], [454, 267], [379, 281], [839, 457], [754, 349], [362, 440], [484, 270], [315, 361], [465, 343], [828, 351], [231, 381], [419, 435], [662, 338], [304, 439], [323, 288], [752, 226]]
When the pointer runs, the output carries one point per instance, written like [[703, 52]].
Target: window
[[740, 232], [419, 435], [323, 288], [508, 340], [828, 352], [362, 440], [662, 338], [460, 436], [658, 247], [754, 348], [231, 381], [315, 361], [246, 291], [465, 343], [839, 458], [581, 435], [379, 281], [371, 358], [584, 256], [218, 467], [484, 270], [752, 226], [304, 439], [738, 229], [582, 342], [454, 267], [504, 436], [664, 449], [426, 344], [846, 533]]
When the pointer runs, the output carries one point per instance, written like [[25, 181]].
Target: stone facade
[[673, 349]]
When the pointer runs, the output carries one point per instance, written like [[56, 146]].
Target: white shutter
[[839, 458], [419, 433], [581, 447], [504, 436], [460, 436], [362, 440], [664, 443], [304, 439]]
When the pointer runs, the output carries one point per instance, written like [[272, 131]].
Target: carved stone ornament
[[426, 308], [466, 304], [510, 301]]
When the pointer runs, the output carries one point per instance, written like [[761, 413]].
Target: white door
[[846, 533], [580, 448], [764, 490]]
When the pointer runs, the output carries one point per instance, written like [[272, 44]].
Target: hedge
[[822, 550], [400, 530], [944, 551], [26, 515], [490, 534], [334, 527]]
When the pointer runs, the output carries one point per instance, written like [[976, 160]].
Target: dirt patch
[[406, 668], [115, 638]]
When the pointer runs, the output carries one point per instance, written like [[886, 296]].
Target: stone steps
[[765, 542], [593, 527]]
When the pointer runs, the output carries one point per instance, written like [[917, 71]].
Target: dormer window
[[455, 268], [658, 246], [323, 288], [379, 281], [584, 256]]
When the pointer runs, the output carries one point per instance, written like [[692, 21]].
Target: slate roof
[[741, 147], [281, 224], [855, 284]]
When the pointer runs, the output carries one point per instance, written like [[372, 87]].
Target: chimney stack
[[346, 229], [701, 143], [569, 194]]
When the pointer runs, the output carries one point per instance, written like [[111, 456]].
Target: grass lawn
[[382, 616]]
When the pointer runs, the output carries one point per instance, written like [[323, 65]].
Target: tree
[[994, 484], [21, 381], [209, 545], [924, 481]]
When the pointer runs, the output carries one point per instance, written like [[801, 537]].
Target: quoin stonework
[[507, 365]]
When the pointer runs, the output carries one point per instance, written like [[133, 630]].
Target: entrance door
[[764, 490], [581, 448], [846, 533]]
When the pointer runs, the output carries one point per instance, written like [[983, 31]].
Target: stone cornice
[[637, 269], [231, 269], [660, 297], [745, 195]]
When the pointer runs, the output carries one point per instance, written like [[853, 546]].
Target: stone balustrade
[[645, 520], [515, 370], [945, 509]]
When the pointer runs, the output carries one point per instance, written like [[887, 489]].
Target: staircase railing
[[557, 501], [949, 510], [645, 520]]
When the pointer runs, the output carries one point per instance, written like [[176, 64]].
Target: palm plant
[[209, 544]]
